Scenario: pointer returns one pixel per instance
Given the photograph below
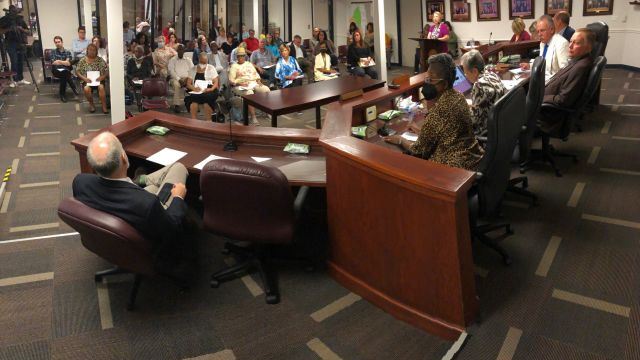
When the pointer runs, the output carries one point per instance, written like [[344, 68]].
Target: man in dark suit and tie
[[567, 85], [113, 192], [561, 23]]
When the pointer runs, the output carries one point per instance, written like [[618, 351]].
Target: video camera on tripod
[[13, 22]]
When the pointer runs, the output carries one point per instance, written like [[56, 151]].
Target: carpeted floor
[[573, 291]]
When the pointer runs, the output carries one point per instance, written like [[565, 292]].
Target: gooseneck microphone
[[490, 35], [231, 145]]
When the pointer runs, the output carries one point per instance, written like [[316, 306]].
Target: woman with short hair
[[287, 69], [446, 136], [205, 95], [519, 33]]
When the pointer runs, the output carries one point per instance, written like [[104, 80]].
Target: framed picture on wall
[[431, 6], [488, 10], [460, 10], [522, 9], [551, 7], [597, 7]]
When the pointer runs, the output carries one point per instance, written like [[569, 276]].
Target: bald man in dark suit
[[567, 85]]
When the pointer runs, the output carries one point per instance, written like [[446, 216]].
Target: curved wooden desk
[[398, 225]]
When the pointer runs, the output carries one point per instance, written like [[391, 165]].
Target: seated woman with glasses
[[446, 136], [287, 69]]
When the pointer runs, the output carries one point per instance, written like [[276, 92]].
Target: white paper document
[[260, 159], [510, 84], [166, 156], [268, 66], [410, 136], [252, 85], [204, 162], [93, 76], [201, 84], [138, 82]]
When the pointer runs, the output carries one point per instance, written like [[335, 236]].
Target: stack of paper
[[93, 76], [204, 162], [166, 156]]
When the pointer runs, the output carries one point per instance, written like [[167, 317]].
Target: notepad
[[167, 156], [510, 84], [204, 162], [410, 136], [93, 76], [260, 159], [311, 170], [201, 84]]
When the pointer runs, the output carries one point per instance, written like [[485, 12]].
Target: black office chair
[[504, 126], [601, 29], [569, 116], [535, 95], [250, 202]]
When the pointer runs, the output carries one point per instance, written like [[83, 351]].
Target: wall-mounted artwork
[[551, 7], [460, 10], [597, 7], [522, 9]]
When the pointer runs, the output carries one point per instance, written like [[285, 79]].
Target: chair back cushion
[[247, 201], [601, 30], [154, 86], [503, 129], [593, 81], [108, 236], [535, 94]]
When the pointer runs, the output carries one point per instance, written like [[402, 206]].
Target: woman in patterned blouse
[[287, 69], [487, 89], [446, 136], [92, 62]]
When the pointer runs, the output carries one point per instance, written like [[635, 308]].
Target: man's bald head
[[105, 154]]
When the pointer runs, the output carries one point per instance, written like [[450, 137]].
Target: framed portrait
[[488, 10], [429, 7], [460, 10], [597, 7], [551, 7], [522, 9]]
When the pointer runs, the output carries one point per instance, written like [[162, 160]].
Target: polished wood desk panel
[[399, 225], [427, 47], [299, 98], [508, 48], [201, 139]]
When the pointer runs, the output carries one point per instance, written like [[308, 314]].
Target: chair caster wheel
[[272, 299], [214, 283]]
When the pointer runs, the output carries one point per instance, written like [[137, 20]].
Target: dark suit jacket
[[568, 33], [292, 50], [567, 85], [136, 206]]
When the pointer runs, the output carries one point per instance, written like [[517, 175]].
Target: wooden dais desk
[[320, 93]]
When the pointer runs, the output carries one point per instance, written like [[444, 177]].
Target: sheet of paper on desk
[[138, 82], [260, 159], [410, 136], [517, 71], [312, 170], [166, 156], [510, 84], [204, 162]]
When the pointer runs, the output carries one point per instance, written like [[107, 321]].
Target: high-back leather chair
[[568, 117], [112, 239], [601, 29], [154, 87], [248, 202], [504, 126], [535, 94]]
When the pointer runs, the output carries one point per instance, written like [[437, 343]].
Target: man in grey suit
[[566, 86]]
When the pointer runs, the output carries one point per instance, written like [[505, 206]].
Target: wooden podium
[[427, 46]]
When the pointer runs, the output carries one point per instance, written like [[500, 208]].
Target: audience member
[[79, 45], [61, 68], [201, 94], [251, 41], [143, 39], [92, 62], [102, 51], [173, 41], [137, 203], [128, 35], [201, 47], [287, 69], [487, 89], [299, 52], [245, 33], [221, 38], [264, 61], [271, 45], [197, 30], [322, 67], [245, 80], [359, 57], [553, 47], [369, 37], [219, 60], [161, 56], [166, 30], [446, 136], [452, 43], [313, 42], [229, 45], [179, 70], [233, 57], [567, 85], [130, 53], [139, 67], [352, 29], [533, 30], [561, 23], [519, 33], [329, 47], [276, 38]]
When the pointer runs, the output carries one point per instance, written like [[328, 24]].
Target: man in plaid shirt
[[61, 67]]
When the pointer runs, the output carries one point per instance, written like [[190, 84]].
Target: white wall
[[321, 14], [411, 25], [50, 13], [391, 27], [276, 15], [301, 19]]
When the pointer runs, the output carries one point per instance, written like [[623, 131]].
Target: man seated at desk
[[137, 203], [553, 47], [566, 87], [446, 136]]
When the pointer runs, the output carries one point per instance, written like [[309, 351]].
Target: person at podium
[[519, 33], [439, 31]]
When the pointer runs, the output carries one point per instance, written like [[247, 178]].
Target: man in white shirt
[[179, 68], [218, 59], [297, 50], [553, 47], [79, 45]]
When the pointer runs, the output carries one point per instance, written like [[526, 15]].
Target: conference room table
[[491, 52], [285, 101]]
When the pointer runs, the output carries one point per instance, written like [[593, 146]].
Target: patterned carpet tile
[[25, 313]]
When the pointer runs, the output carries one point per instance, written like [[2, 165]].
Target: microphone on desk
[[490, 35], [231, 145]]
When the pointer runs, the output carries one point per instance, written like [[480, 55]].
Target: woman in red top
[[519, 33]]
